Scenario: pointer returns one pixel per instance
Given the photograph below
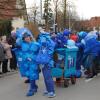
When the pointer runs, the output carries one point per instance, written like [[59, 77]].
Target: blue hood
[[21, 31]]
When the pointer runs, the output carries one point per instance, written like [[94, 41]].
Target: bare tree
[[69, 13], [56, 8], [34, 13], [21, 9], [65, 11]]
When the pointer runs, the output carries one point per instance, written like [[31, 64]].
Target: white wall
[[18, 23]]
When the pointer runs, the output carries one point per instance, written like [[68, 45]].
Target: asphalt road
[[12, 87]]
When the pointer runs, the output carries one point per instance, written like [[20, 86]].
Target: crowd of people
[[32, 56], [88, 55], [7, 57]]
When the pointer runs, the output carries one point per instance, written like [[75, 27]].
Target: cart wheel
[[73, 80], [58, 81], [66, 83]]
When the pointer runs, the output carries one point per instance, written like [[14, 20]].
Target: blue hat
[[21, 31], [82, 34], [66, 32], [26, 35]]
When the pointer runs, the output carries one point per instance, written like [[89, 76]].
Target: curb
[[8, 74]]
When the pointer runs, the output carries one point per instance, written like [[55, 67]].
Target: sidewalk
[[8, 73]]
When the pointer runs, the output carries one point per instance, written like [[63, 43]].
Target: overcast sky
[[85, 8]]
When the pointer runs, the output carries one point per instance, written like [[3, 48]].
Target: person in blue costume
[[91, 52], [61, 38], [80, 45], [54, 37], [19, 35], [26, 54], [81, 36], [45, 41], [66, 36]]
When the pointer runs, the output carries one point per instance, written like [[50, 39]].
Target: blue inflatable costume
[[46, 56], [26, 53]]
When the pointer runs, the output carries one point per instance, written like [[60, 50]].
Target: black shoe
[[89, 76], [95, 74], [27, 81], [1, 73]]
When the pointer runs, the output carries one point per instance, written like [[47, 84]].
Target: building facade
[[94, 22], [11, 8]]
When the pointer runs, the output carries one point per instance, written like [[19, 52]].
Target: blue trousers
[[79, 60], [33, 85], [49, 83]]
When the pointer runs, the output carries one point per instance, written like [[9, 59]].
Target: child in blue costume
[[45, 41], [26, 55]]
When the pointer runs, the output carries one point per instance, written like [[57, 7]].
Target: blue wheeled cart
[[68, 72]]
